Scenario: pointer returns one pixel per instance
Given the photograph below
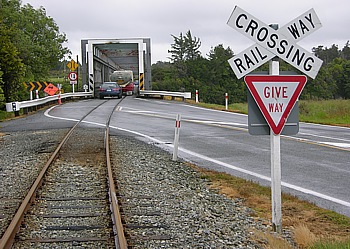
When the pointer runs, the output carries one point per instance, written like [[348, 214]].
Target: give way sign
[[270, 43], [275, 95]]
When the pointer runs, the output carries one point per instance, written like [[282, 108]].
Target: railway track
[[73, 201], [162, 203]]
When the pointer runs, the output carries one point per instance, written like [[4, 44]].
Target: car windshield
[[109, 85]]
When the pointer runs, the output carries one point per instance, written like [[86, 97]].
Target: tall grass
[[334, 112]]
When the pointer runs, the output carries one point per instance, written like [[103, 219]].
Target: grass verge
[[334, 112], [312, 227], [331, 112], [6, 115]]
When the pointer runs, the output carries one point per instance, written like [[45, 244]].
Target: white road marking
[[340, 145]]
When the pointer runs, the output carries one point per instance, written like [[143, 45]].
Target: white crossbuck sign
[[271, 43]]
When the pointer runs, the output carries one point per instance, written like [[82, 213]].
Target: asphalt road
[[315, 163]]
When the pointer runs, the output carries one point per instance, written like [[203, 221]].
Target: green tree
[[31, 44], [185, 48], [327, 54], [345, 53], [11, 65], [322, 87], [192, 47], [40, 42], [178, 49], [222, 76], [339, 70]]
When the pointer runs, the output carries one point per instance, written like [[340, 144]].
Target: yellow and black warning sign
[[142, 81], [31, 86]]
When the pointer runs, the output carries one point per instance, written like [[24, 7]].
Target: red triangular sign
[[275, 95]]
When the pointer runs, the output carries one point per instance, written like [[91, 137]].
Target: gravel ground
[[188, 213], [22, 156]]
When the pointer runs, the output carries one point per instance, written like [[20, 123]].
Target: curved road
[[315, 163]]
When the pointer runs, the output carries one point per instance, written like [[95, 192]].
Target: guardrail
[[30, 104], [184, 95], [17, 106]]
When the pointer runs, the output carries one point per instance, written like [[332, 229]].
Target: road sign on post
[[73, 77], [72, 65], [275, 95], [51, 89]]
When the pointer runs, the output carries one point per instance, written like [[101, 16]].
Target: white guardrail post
[[176, 138]]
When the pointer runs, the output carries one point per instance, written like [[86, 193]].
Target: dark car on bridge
[[110, 89]]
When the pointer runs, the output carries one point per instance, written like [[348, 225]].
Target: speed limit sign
[[73, 77]]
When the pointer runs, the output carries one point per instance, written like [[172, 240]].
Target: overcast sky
[[207, 20]]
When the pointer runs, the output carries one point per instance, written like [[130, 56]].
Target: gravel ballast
[[186, 212], [190, 215]]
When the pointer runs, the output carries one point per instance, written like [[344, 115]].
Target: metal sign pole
[[275, 166]]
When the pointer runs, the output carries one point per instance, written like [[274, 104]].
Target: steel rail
[[10, 233], [120, 239]]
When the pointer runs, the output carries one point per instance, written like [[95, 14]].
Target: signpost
[[72, 65], [73, 77], [271, 43], [51, 89], [275, 94], [257, 124]]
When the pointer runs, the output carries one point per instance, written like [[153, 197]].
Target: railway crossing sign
[[271, 43], [275, 96]]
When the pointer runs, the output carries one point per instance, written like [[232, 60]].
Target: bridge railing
[[17, 106]]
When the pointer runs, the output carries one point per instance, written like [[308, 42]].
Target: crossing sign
[[275, 95], [271, 43]]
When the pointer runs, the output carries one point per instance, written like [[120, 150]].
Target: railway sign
[[271, 43], [275, 96]]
